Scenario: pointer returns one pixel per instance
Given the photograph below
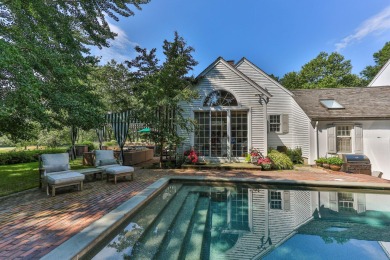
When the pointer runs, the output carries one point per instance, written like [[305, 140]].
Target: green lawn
[[6, 149], [23, 176]]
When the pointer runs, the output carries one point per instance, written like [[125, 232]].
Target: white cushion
[[55, 159], [103, 155], [119, 169], [104, 167], [64, 177]]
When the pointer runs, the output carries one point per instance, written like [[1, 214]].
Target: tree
[[380, 58], [162, 88], [113, 83], [44, 61], [291, 80], [324, 71]]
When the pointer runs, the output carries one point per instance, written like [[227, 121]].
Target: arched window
[[220, 98]]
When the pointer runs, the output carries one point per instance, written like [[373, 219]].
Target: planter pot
[[326, 166], [334, 167], [319, 164]]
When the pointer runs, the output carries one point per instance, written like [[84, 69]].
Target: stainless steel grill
[[356, 163]]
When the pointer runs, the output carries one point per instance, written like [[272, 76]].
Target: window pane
[[274, 123], [343, 139], [239, 133], [202, 130], [220, 98], [275, 200]]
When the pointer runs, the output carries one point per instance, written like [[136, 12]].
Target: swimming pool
[[249, 221]]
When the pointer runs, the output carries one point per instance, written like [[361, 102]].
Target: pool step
[[173, 241], [192, 247], [148, 244]]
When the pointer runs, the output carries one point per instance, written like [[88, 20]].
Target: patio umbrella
[[145, 130], [101, 133], [74, 131], [120, 124]]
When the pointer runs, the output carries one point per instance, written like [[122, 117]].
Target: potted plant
[[335, 163], [325, 164], [320, 161], [265, 163]]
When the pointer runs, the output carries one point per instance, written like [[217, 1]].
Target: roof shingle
[[358, 103]]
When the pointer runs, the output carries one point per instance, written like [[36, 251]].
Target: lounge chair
[[105, 160], [55, 172]]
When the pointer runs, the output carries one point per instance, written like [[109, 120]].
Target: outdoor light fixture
[[262, 99]]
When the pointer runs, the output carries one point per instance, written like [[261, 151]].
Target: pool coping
[[81, 243]]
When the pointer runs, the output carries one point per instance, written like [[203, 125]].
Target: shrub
[[111, 143], [91, 146], [335, 161], [192, 156], [295, 155], [321, 160], [14, 157], [280, 160]]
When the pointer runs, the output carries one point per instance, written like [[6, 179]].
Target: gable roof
[[243, 59], [383, 75], [359, 103], [236, 71]]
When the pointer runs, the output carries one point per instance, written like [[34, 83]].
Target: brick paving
[[32, 223]]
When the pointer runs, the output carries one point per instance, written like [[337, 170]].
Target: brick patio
[[32, 223]]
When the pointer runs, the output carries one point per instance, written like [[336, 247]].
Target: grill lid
[[356, 158]]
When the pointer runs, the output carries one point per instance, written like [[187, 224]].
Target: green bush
[[295, 155], [248, 158], [335, 160], [14, 157], [111, 143], [321, 160], [280, 161]]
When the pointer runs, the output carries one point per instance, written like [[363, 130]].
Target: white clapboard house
[[241, 108]]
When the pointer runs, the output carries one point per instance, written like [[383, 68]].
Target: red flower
[[261, 161], [192, 156]]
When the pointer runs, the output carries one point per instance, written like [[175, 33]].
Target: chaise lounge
[[105, 160], [55, 172]]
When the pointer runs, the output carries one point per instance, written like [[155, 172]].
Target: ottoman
[[62, 179], [119, 171]]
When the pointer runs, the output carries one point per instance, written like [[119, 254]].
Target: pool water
[[249, 222]]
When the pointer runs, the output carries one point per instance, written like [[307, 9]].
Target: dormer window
[[331, 104]]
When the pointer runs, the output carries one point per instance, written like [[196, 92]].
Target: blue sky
[[279, 36]]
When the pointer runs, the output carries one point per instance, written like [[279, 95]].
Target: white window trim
[[280, 123], [281, 201], [352, 136]]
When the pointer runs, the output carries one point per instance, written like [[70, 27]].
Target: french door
[[221, 133]]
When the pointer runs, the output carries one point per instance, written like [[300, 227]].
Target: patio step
[[173, 241], [148, 244], [193, 241]]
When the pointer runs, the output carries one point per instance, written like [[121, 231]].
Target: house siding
[[282, 103], [222, 76]]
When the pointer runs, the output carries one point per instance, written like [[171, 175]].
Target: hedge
[[14, 157]]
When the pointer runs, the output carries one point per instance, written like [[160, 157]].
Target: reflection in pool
[[249, 222]]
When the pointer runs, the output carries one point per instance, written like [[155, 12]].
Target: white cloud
[[376, 24], [121, 48]]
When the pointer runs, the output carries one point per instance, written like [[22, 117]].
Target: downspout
[[316, 140]]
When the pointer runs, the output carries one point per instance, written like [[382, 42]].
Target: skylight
[[330, 104]]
